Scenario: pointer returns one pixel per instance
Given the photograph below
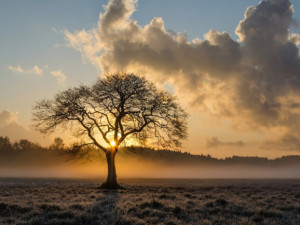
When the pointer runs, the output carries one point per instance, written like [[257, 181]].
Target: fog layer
[[143, 163]]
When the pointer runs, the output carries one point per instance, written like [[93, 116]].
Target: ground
[[149, 201]]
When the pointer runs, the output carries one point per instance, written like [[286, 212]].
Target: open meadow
[[150, 201]]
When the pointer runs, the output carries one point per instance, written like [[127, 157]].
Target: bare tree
[[116, 108], [58, 144]]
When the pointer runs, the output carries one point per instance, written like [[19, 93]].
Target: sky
[[234, 65]]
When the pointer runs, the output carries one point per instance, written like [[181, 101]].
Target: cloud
[[295, 38], [288, 142], [10, 127], [86, 42], [7, 117], [214, 142], [253, 82], [60, 76], [34, 70], [17, 69]]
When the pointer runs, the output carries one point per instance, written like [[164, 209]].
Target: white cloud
[[34, 70], [295, 38], [17, 69], [60, 76], [86, 42]]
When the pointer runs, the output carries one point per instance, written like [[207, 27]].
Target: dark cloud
[[288, 142], [270, 75], [214, 142]]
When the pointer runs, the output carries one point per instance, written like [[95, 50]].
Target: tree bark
[[111, 181]]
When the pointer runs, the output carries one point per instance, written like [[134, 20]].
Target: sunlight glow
[[112, 143]]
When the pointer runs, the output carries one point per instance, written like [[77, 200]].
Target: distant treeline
[[26, 152], [179, 157]]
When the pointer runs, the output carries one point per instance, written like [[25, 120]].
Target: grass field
[[149, 201]]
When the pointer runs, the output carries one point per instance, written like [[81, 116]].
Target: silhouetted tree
[[5, 143], [115, 108], [58, 144], [26, 145]]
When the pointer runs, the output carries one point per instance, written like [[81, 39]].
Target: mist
[[144, 163]]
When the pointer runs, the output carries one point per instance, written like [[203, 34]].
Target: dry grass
[[45, 201]]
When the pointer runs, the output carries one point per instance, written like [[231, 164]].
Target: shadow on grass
[[104, 211]]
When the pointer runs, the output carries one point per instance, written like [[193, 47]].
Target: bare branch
[[122, 105]]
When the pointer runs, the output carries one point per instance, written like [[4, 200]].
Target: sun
[[112, 143]]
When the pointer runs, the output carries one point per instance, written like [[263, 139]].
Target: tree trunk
[[111, 181]]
